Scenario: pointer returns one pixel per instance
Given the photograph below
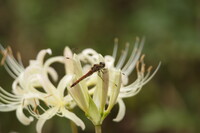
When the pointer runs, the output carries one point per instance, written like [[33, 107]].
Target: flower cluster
[[34, 89]]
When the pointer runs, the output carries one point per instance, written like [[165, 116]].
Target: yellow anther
[[123, 51], [150, 68], [127, 44], [137, 66], [4, 53], [143, 68], [35, 108], [19, 58], [116, 40], [137, 39], [9, 51], [142, 58]]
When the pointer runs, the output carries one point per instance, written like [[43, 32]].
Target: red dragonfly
[[95, 68]]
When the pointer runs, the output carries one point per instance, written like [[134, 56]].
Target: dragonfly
[[94, 68]]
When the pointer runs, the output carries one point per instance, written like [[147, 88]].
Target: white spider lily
[[96, 95], [57, 103], [94, 107], [27, 97], [22, 96], [90, 56]]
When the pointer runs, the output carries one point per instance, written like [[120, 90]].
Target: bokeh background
[[169, 103]]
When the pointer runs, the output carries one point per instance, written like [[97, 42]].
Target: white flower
[[27, 96], [94, 106], [9, 101], [57, 103], [90, 56], [24, 94], [95, 95]]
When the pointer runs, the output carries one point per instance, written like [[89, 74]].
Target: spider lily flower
[[16, 69], [26, 96], [90, 56], [94, 106], [57, 103], [21, 98], [23, 94]]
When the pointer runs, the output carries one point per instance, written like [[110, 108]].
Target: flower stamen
[[4, 54]]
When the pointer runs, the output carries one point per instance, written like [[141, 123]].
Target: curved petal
[[42, 53], [53, 73], [52, 60], [122, 110], [89, 55], [64, 82], [46, 84], [44, 117], [68, 62], [17, 90], [73, 118], [21, 116]]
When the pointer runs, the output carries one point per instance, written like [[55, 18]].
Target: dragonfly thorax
[[97, 67]]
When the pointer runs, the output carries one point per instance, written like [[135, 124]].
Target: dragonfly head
[[102, 64], [97, 67]]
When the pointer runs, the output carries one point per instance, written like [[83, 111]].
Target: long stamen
[[8, 94], [122, 59], [115, 48], [12, 74], [19, 58], [35, 108], [133, 55], [7, 101], [135, 59], [9, 98], [30, 110]]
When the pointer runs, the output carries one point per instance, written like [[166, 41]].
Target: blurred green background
[[169, 103]]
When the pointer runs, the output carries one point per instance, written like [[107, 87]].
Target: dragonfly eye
[[102, 64]]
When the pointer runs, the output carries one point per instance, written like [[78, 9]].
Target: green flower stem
[[73, 127], [98, 129]]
